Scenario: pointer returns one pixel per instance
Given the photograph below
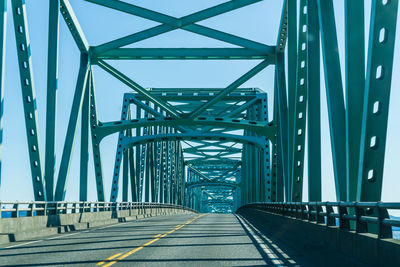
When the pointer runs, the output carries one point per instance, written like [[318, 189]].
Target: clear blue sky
[[258, 22]]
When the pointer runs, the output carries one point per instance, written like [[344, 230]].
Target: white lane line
[[256, 234], [60, 236], [51, 238], [108, 226], [13, 246]]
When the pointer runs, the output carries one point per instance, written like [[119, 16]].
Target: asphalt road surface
[[183, 240]]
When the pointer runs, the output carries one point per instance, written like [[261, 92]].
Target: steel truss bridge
[[218, 150]]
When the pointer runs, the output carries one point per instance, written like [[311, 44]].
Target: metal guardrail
[[41, 208], [338, 214]]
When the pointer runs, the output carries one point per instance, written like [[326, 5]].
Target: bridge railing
[[38, 208], [341, 214]]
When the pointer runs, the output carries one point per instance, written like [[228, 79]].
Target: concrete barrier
[[24, 228], [312, 237]]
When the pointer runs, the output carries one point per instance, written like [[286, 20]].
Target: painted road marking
[[109, 258], [157, 237], [62, 235]]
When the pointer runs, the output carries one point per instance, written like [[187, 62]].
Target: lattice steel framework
[[209, 148]]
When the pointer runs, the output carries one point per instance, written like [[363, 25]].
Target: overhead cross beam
[[170, 23]]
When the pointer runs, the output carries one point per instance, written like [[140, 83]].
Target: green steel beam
[[185, 23], [3, 28], [28, 97], [98, 168], [73, 25], [194, 136], [282, 117], [299, 109], [82, 80], [355, 82], [334, 94], [376, 99], [283, 29], [84, 160], [120, 152], [183, 53], [292, 75], [244, 78], [125, 178], [261, 128], [314, 103], [51, 105], [197, 184], [132, 175], [124, 79]]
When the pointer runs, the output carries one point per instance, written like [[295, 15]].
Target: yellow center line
[[109, 258], [157, 237], [150, 242]]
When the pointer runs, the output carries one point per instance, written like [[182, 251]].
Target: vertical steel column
[[98, 169], [134, 192], [282, 115], [146, 156], [355, 82], [334, 94], [119, 153], [314, 102], [51, 106], [125, 170], [300, 109], [269, 186], [84, 144], [376, 99], [3, 28], [28, 97], [72, 125], [138, 159], [292, 83]]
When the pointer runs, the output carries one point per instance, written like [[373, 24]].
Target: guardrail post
[[311, 216], [318, 210], [330, 221], [1, 207], [343, 223], [15, 214], [30, 212], [361, 227], [384, 231], [303, 215]]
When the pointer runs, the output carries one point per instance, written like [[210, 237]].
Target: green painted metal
[[282, 119], [3, 30], [28, 97], [355, 82], [185, 23], [98, 169], [314, 103], [376, 99], [184, 53], [73, 25], [215, 149], [299, 109], [51, 105], [72, 125], [334, 92], [83, 181], [292, 70]]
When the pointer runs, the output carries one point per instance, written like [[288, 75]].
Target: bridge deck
[[184, 240]]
